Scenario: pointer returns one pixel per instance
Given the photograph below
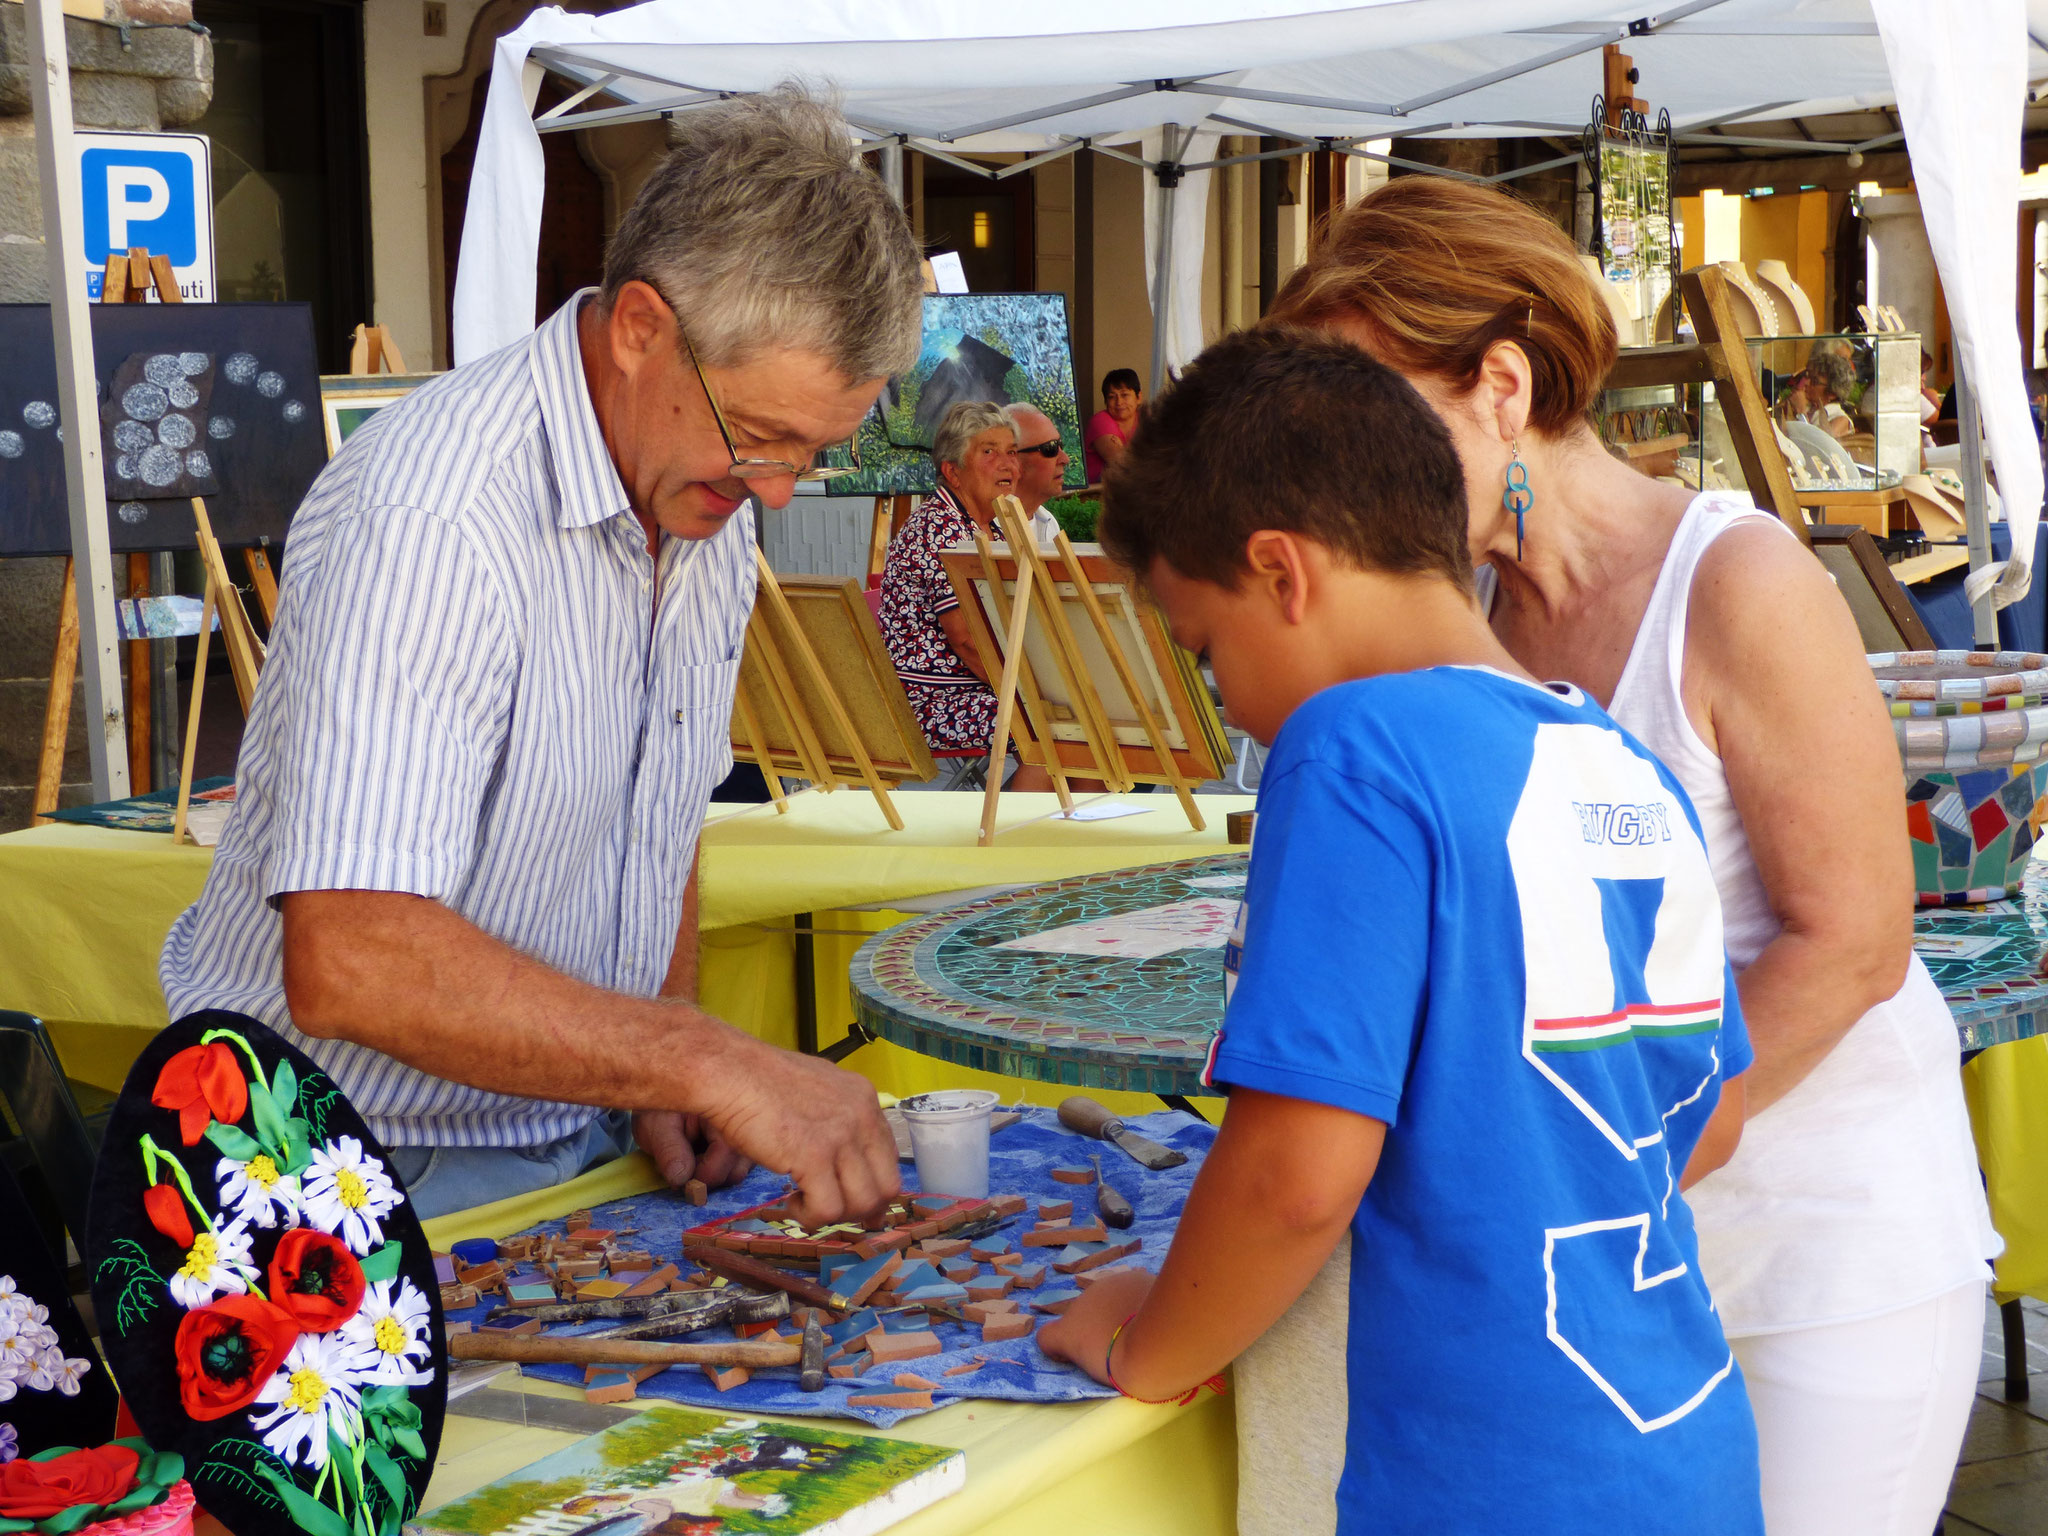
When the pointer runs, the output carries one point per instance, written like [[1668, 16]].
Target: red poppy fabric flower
[[202, 1083], [36, 1490], [227, 1351], [316, 1279], [165, 1207]]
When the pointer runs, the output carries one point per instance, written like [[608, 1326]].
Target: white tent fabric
[[1180, 339], [952, 76], [1962, 89]]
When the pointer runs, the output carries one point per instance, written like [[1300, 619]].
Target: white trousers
[[1860, 1424]]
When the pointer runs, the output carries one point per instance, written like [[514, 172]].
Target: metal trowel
[[1092, 1119]]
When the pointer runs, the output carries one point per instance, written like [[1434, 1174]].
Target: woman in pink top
[[1110, 428], [1846, 1241]]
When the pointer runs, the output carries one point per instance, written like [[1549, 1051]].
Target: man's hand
[[1081, 1334], [683, 1149], [819, 1124]]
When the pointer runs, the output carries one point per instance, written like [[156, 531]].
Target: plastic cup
[[949, 1139]]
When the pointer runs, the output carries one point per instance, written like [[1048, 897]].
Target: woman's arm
[[1109, 448], [953, 623], [1720, 1136], [1776, 682], [1280, 1186]]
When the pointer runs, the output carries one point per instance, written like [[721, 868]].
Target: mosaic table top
[[944, 985]]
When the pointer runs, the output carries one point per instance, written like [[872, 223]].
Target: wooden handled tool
[[808, 1357], [749, 1271], [1083, 1114], [1112, 1207]]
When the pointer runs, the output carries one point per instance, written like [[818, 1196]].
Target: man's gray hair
[[964, 421], [1017, 410], [761, 229]]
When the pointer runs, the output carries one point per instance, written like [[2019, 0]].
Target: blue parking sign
[[149, 190]]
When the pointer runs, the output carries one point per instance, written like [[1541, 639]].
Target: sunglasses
[[828, 463], [1046, 450]]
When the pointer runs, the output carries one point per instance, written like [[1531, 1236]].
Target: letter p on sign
[[153, 190]]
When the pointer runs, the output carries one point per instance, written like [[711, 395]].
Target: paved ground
[[2001, 1484]]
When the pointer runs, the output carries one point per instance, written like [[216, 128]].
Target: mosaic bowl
[[1971, 729]]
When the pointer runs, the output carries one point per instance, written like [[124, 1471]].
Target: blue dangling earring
[[1517, 498]]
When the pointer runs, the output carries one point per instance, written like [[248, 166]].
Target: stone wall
[[138, 65]]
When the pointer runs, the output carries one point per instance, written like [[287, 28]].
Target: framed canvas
[[219, 401], [347, 400], [1013, 348], [797, 707], [1168, 678]]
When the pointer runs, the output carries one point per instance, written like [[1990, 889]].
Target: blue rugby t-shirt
[[1482, 913]]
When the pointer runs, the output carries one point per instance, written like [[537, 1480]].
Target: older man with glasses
[[1041, 466], [461, 870]]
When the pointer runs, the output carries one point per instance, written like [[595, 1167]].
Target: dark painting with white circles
[[220, 401]]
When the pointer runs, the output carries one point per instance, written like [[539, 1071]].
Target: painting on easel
[[214, 400], [1015, 348]]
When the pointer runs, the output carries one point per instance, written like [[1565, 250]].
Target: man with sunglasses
[[461, 869], [1041, 466]]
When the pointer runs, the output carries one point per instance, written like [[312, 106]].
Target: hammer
[[808, 1357]]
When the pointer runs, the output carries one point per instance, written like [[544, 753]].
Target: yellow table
[[86, 909], [1107, 1464]]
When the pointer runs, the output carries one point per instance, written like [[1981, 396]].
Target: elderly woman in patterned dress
[[975, 448]]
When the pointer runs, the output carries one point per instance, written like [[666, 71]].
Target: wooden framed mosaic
[[818, 698]]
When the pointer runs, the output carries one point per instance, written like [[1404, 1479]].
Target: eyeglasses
[[770, 469], [1051, 449]]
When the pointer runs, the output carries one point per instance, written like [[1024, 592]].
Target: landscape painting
[[1014, 348]]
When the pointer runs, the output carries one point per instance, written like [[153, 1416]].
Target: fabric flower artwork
[[214, 1265], [203, 1083], [316, 1279], [36, 1490], [31, 1358], [256, 1190], [392, 1332], [10, 1443], [227, 1352], [317, 1392], [348, 1193], [164, 1205]]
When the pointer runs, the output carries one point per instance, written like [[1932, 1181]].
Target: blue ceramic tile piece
[[1980, 786], [944, 1291], [861, 1322], [906, 1322]]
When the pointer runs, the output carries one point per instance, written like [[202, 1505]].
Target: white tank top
[[1857, 1193]]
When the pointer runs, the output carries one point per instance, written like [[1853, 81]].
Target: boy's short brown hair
[[1280, 427]]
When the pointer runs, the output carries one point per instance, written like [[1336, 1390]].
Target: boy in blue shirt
[[1479, 1012]]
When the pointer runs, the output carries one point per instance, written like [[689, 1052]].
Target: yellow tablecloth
[[84, 910], [1109, 1464]]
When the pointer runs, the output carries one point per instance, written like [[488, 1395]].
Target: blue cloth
[[473, 695], [1946, 611], [1480, 912], [1021, 1160]]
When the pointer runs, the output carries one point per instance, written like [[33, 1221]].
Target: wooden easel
[[374, 352], [813, 759], [1037, 586], [889, 515], [245, 653]]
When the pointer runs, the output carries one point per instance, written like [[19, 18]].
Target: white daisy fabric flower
[[347, 1192], [214, 1266], [257, 1191], [392, 1333], [314, 1392]]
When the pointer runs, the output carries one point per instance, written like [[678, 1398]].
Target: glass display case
[[1846, 407], [1656, 428]]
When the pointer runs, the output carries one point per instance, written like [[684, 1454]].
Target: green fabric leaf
[[410, 1443], [10, 1525], [341, 1457], [52, 1453], [140, 1497], [307, 1512], [284, 1085], [169, 1468], [389, 1478], [298, 1146], [233, 1142], [382, 1265], [269, 1122], [68, 1520]]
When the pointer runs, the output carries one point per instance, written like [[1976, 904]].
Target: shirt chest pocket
[[702, 692]]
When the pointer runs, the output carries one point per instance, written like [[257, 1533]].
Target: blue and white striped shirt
[[472, 695]]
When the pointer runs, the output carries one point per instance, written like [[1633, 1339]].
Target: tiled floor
[[2001, 1485]]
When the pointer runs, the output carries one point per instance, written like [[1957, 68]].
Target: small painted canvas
[[1014, 348], [347, 400], [680, 1472], [213, 400]]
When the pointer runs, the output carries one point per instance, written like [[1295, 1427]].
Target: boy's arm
[[1280, 1186], [1719, 1139]]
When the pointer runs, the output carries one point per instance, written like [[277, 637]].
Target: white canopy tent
[[949, 77]]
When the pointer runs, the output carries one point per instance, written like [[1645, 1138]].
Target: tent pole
[[1168, 172], [1976, 520], [77, 398], [892, 171]]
